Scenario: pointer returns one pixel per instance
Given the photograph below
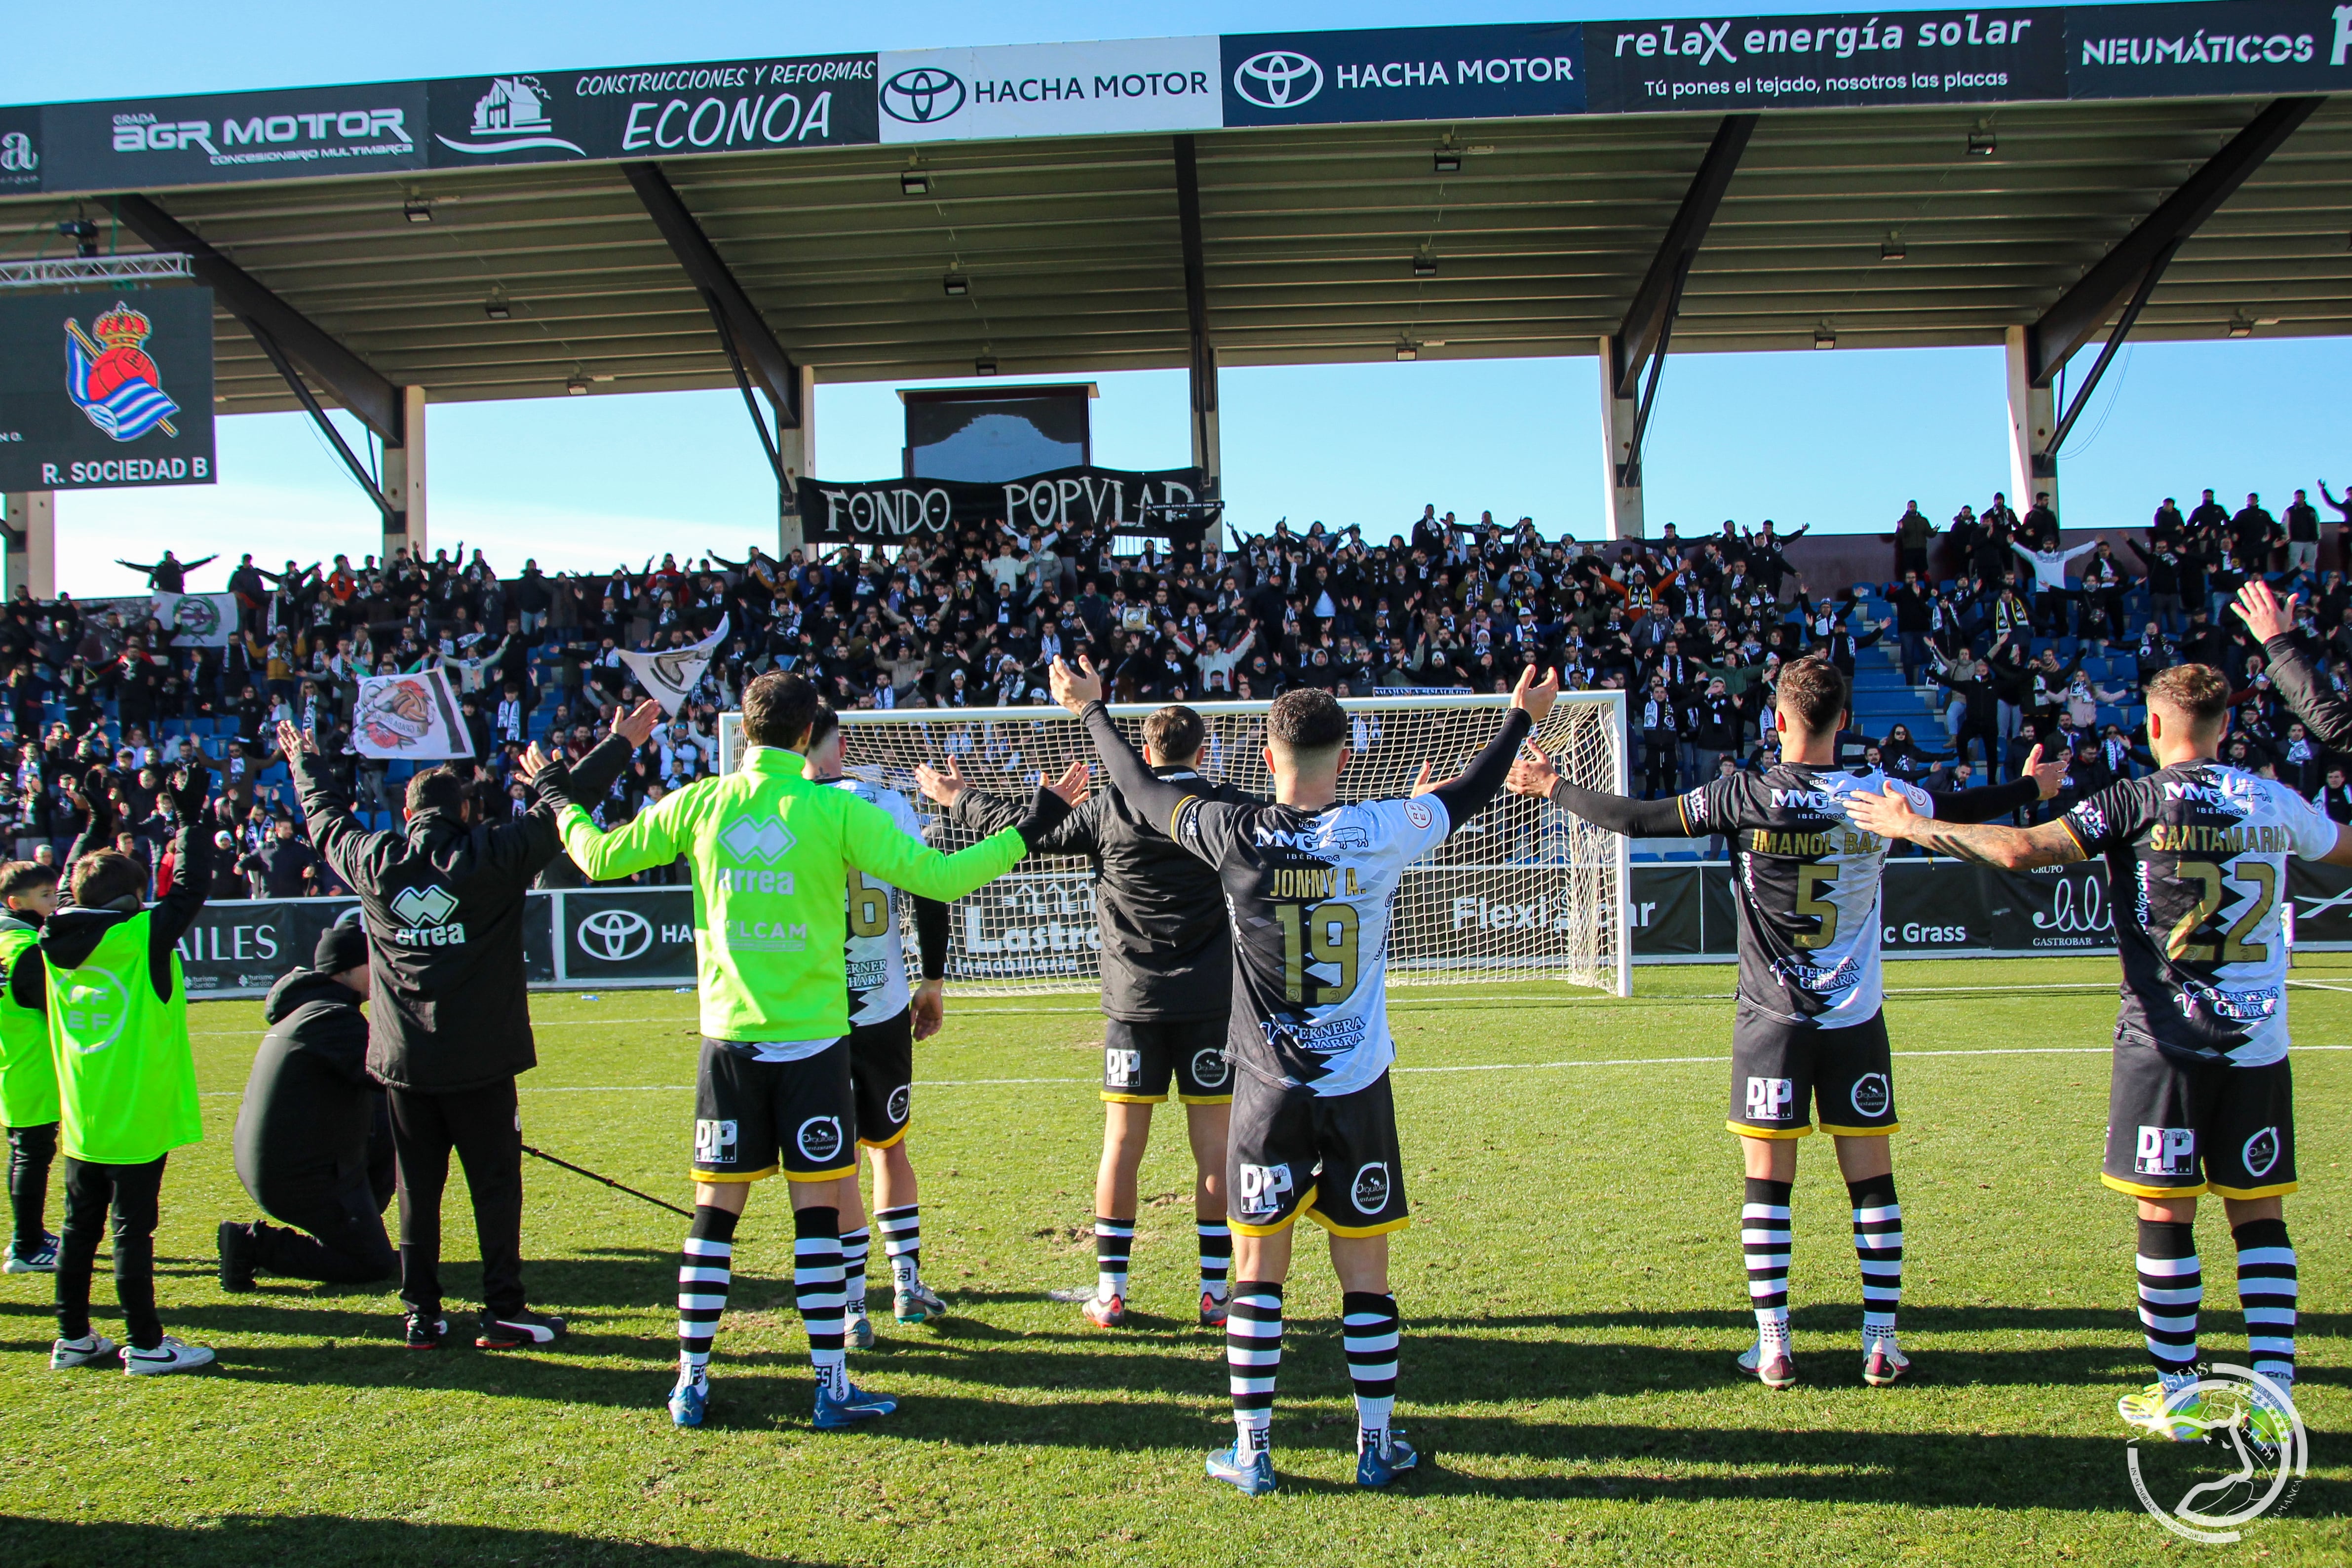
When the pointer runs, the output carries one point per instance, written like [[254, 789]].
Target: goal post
[[1524, 892]]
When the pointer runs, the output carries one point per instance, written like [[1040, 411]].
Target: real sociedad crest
[[118, 387]]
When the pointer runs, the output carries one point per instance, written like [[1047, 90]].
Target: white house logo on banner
[[511, 115], [1278, 79], [1051, 90]]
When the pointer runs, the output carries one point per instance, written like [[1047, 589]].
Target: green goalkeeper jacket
[[771, 854]]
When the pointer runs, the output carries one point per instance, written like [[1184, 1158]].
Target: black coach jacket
[[1167, 941], [303, 1128], [443, 903]]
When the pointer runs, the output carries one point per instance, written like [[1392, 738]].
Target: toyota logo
[[614, 935], [1278, 79], [922, 95]]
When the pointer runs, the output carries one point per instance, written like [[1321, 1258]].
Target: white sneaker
[[91, 1350], [173, 1355], [1882, 1361]]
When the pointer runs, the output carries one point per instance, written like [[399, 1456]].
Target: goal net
[[1526, 892]]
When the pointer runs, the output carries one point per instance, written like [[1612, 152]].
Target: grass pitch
[[1572, 1292]]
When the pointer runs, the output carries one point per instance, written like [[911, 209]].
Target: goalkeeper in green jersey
[[772, 853]]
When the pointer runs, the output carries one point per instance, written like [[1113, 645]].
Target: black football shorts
[[753, 1118], [1140, 1059], [1781, 1074], [2177, 1125], [1334, 1156], [882, 1078]]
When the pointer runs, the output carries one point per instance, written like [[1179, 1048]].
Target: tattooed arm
[[1890, 815]]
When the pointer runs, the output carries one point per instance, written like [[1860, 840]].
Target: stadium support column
[[796, 451], [1202, 353], [33, 543], [1640, 341], [404, 479], [1621, 464], [2032, 414]]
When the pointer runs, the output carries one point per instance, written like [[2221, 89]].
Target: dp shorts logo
[[1370, 1191], [2261, 1153], [1263, 1188], [714, 1142], [1122, 1067], [1771, 1099], [896, 1108], [1209, 1069], [1871, 1094], [2166, 1151], [820, 1138]]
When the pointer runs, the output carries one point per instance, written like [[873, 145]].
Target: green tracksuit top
[[29, 1073], [126, 1076], [770, 854]]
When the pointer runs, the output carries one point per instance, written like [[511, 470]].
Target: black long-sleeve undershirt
[[931, 936], [1663, 818], [2308, 696]]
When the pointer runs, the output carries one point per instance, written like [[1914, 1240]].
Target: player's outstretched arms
[[2319, 706], [2037, 780], [1080, 691], [1534, 774], [1890, 815], [1471, 792], [873, 842]]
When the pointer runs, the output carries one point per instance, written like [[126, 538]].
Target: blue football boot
[[852, 1407], [1253, 1476], [1391, 1460], [690, 1399]]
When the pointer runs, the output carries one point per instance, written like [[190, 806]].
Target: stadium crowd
[[2029, 641]]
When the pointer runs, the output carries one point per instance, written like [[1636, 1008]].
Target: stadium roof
[[1496, 232]]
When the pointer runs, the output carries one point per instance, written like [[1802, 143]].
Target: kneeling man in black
[[314, 1136]]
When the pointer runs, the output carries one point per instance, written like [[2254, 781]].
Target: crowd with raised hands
[[1694, 628]]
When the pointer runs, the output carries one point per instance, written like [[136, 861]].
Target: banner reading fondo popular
[[1097, 500]]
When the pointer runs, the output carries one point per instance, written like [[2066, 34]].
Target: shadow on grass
[[330, 1541]]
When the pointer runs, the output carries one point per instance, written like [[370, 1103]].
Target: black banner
[[1404, 73], [1100, 499], [654, 112], [20, 150], [106, 390], [1768, 62], [2240, 47], [620, 935], [300, 133]]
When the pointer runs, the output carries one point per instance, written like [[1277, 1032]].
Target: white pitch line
[[1467, 1067]]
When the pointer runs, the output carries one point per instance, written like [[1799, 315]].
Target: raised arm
[[874, 843], [2319, 706], [1534, 774], [1080, 691], [1475, 786], [1890, 815]]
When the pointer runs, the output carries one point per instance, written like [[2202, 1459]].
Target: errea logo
[[424, 914], [761, 840]]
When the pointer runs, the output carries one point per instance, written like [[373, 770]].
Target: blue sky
[[1839, 440]]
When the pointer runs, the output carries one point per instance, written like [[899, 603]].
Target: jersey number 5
[[2182, 945], [869, 906], [1323, 934], [1811, 881]]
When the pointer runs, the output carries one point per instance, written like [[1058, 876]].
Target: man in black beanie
[[314, 1136]]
